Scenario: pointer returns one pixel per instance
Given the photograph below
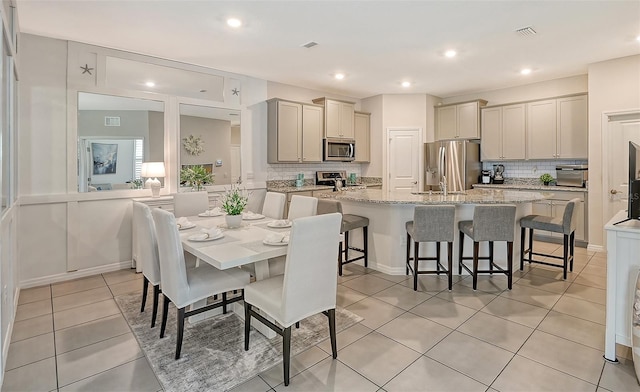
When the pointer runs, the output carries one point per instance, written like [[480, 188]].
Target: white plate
[[195, 237], [206, 215], [279, 243], [272, 224], [191, 226], [252, 217]]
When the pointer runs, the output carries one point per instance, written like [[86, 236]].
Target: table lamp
[[151, 171]]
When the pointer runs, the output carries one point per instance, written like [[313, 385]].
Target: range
[[330, 178]]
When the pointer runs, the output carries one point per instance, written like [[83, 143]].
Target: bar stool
[[565, 226], [349, 222], [430, 224], [490, 223]]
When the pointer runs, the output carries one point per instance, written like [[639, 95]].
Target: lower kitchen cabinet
[[554, 207]]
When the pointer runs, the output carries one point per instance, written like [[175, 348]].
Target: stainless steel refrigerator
[[457, 160]]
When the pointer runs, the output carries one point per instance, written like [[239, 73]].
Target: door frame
[[385, 153], [605, 129]]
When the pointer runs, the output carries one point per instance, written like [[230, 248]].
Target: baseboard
[[596, 248], [74, 275], [7, 337]]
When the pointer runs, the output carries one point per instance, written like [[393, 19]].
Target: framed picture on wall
[[105, 158]]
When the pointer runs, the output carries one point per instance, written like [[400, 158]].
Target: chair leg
[[530, 245], [565, 256], [365, 233], [491, 257], [450, 263], [523, 233], [224, 303], [346, 245], [340, 258], [247, 324], [408, 254], [509, 265], [460, 250], [332, 332], [416, 251], [180, 332], [165, 311], [286, 353], [437, 258], [156, 295], [476, 248], [145, 287], [572, 248]]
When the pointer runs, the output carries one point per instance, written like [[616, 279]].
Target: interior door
[[620, 133], [404, 159]]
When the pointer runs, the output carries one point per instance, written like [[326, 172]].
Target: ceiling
[[377, 44]]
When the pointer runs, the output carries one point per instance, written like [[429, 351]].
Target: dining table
[[246, 244]]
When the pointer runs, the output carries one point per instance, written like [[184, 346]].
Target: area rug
[[213, 356]]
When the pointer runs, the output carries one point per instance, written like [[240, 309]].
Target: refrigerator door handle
[[441, 163]]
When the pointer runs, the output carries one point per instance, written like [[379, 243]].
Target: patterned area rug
[[213, 356]]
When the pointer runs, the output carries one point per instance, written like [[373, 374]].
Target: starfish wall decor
[[235, 91], [86, 69]]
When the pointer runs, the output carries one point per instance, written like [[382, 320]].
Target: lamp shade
[[152, 169]]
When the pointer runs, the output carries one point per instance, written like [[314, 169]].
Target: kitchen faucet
[[337, 184], [443, 185]]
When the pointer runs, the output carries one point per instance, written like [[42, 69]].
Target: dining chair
[[190, 203], [184, 287], [301, 206], [308, 286], [273, 206], [147, 254]]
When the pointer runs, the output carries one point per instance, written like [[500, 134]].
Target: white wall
[[614, 85], [43, 116], [528, 92]]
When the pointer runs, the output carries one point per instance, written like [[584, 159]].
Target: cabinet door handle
[[613, 191]]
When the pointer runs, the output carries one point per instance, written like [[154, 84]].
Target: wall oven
[[339, 149]]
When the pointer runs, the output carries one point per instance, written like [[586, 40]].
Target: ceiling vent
[[526, 31], [309, 44]]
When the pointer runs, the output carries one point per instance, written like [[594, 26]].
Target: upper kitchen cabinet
[[294, 132], [338, 118], [459, 121], [557, 128], [503, 132], [362, 126]]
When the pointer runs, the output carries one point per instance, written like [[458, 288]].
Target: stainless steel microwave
[[339, 149]]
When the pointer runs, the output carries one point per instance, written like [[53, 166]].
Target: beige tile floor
[[544, 335]]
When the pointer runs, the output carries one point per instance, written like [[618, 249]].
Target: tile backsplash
[[284, 171], [530, 169]]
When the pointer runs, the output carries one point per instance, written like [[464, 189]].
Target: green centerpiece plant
[[546, 178], [196, 177], [234, 202]]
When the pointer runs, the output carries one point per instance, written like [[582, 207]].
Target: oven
[[339, 149]]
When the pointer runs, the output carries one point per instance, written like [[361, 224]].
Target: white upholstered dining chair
[[308, 286], [301, 206], [190, 203], [273, 206], [184, 287], [147, 254]]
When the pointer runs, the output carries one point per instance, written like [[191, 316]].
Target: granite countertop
[[531, 187], [472, 196], [307, 188]]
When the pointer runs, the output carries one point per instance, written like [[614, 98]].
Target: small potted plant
[[196, 177], [234, 201], [546, 178]]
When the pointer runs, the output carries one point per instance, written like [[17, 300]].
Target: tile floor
[[544, 335]]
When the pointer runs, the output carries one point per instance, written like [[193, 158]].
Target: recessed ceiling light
[[450, 53], [339, 76], [638, 38], [234, 22], [150, 84], [406, 84], [525, 71]]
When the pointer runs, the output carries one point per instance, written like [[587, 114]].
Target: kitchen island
[[389, 211]]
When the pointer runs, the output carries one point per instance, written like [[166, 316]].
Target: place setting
[[277, 239], [216, 211], [206, 235], [249, 215], [184, 223]]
